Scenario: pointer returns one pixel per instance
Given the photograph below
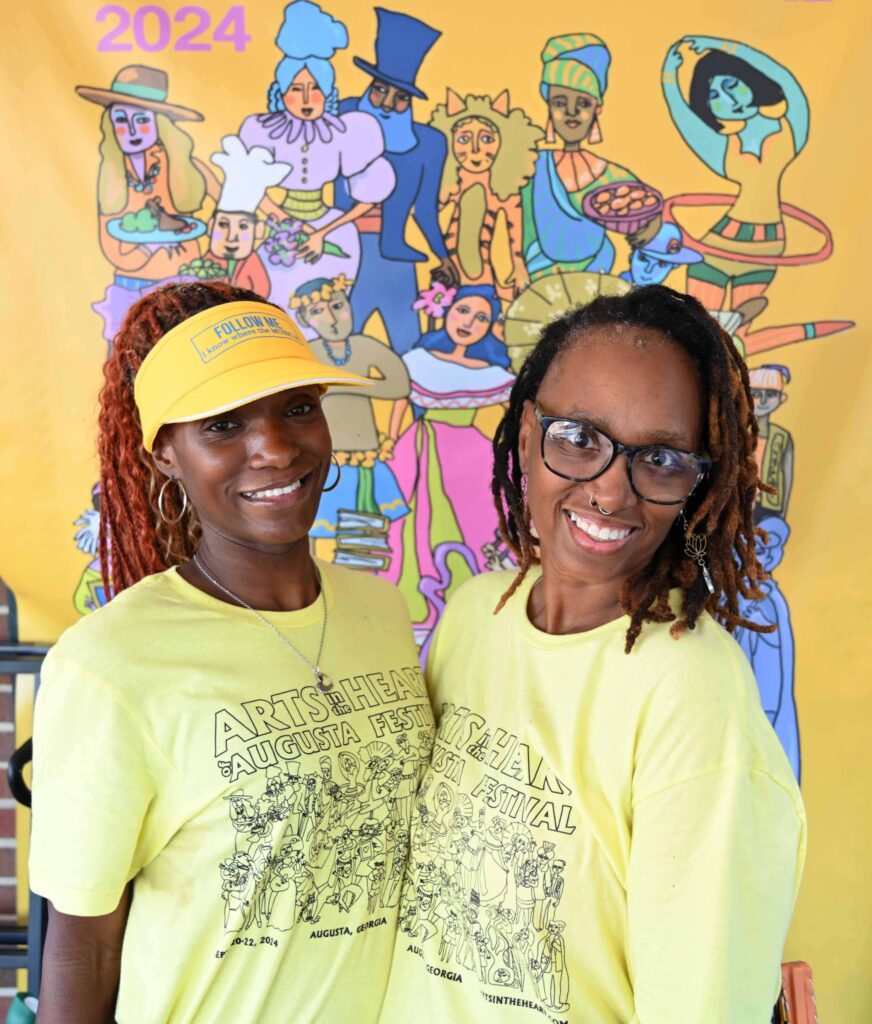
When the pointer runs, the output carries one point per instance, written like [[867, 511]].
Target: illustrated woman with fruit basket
[[559, 233]]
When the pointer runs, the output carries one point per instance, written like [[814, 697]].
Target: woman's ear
[[525, 433], [163, 454]]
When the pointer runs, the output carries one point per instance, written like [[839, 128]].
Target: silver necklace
[[322, 680]]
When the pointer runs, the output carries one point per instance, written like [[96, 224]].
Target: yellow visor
[[222, 358]]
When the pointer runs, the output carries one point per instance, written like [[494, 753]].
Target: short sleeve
[[95, 774], [715, 865]]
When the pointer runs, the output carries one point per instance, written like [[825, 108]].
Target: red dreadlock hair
[[134, 540]]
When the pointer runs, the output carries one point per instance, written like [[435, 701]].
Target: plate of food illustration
[[624, 206], [153, 225]]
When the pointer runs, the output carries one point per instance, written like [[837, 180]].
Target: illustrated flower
[[435, 300], [283, 238]]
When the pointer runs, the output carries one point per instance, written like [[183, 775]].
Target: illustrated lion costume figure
[[491, 155]]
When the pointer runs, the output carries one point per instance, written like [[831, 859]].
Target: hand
[[446, 273], [519, 279], [638, 239], [699, 44], [313, 247], [386, 449], [674, 58]]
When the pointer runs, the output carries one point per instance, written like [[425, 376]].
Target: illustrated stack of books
[[362, 540]]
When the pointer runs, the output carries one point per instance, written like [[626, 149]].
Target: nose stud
[[593, 504]]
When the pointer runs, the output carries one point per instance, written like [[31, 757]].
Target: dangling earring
[[160, 501], [695, 546], [335, 484], [596, 133], [550, 136]]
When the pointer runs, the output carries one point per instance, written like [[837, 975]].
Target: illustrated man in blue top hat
[[386, 280], [654, 261]]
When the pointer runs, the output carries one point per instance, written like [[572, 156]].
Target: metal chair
[[21, 945]]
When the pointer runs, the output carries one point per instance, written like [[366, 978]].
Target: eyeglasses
[[658, 473]]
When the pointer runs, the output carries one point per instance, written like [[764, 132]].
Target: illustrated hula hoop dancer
[[747, 118], [188, 734]]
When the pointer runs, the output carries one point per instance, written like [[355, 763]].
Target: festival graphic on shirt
[[484, 894], [321, 799]]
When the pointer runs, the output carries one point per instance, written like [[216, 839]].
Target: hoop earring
[[335, 484], [160, 501], [695, 547]]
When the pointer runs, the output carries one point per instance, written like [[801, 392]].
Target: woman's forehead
[[628, 379]]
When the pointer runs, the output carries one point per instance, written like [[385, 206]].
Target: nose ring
[[593, 504]]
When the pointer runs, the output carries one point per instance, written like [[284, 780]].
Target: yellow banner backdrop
[[406, 183]]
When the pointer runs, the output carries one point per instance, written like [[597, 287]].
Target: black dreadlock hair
[[722, 507]]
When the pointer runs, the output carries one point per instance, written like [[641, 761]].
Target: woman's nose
[[612, 488], [272, 444]]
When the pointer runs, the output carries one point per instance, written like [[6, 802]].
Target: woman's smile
[[279, 495], [597, 537]]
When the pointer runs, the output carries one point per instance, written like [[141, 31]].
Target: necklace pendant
[[323, 682]]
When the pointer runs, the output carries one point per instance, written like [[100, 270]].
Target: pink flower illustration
[[435, 300]]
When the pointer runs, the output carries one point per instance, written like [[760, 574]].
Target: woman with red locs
[[181, 729]]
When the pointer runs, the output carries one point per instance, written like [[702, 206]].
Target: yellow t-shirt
[[601, 838], [177, 742]]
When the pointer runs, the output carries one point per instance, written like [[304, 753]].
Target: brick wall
[[8, 981]]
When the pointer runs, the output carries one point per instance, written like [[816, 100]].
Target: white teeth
[[273, 492], [602, 533]]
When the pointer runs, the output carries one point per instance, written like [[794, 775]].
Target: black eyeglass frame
[[630, 450]]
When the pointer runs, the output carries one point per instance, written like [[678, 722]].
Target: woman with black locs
[[189, 806], [625, 817]]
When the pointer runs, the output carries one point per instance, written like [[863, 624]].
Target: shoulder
[[102, 646], [108, 630], [429, 138], [348, 104], [475, 600], [359, 125], [704, 665], [252, 131], [420, 359], [700, 711]]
